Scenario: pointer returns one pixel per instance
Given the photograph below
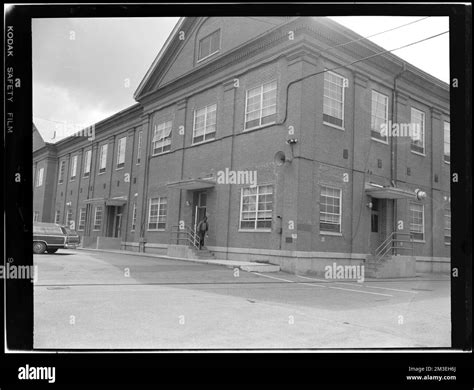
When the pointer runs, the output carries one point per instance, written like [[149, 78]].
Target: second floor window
[[134, 217], [39, 177], [209, 45], [87, 163], [62, 167], [261, 105], [447, 142], [333, 105], [204, 127], [73, 167], [417, 131], [139, 147], [121, 147], [103, 158], [379, 115], [162, 137]]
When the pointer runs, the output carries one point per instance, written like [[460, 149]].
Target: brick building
[[225, 94]]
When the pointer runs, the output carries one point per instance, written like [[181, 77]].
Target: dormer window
[[209, 45]]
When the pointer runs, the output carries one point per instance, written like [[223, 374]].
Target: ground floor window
[[417, 221], [82, 219], [69, 219], [157, 213], [134, 217], [98, 217], [447, 226], [330, 210], [57, 217], [256, 207]]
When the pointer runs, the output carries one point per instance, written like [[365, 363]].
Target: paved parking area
[[98, 300]]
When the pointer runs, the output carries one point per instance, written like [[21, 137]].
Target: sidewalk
[[243, 265]]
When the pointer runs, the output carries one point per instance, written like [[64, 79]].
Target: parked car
[[49, 237]]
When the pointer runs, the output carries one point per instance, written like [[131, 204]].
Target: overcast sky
[[85, 70]]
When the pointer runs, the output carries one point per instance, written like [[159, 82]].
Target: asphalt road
[[98, 300]]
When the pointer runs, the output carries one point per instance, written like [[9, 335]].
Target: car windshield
[[68, 231]]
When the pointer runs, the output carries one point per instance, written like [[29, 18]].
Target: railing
[[393, 244], [184, 234]]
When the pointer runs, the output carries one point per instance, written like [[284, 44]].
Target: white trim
[[39, 177], [386, 116], [89, 160], [423, 131], [73, 168], [261, 104], [333, 125], [259, 127], [95, 218], [206, 110], [340, 210], [423, 220], [199, 60], [103, 150], [257, 194], [119, 155], [343, 98], [158, 215], [139, 147]]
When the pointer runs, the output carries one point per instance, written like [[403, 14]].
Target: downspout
[[393, 146], [144, 211]]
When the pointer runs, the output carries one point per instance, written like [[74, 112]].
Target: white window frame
[[160, 200], [121, 151], [139, 147], [82, 213], [447, 143], [218, 31], [256, 220], [423, 220], [57, 217], [447, 213], [260, 117], [62, 169], [330, 232], [374, 116], [134, 217], [95, 218], [73, 170], [163, 140], [207, 111], [343, 100], [87, 162], [103, 158], [39, 177], [423, 131]]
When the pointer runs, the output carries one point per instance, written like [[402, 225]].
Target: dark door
[[375, 225], [200, 205]]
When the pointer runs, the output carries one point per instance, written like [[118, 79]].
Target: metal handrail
[[190, 235], [390, 244]]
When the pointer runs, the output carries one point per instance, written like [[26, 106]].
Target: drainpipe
[[393, 146]]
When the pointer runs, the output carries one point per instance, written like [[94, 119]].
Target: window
[[98, 217], [39, 177], [417, 221], [256, 206], [62, 167], [139, 147], [162, 138], [87, 163], [121, 147], [134, 217], [260, 105], [417, 131], [333, 106], [330, 210], [57, 217], [73, 167], [36, 215], [82, 219], [379, 115], [69, 218], [209, 45], [447, 225], [103, 158], [157, 213], [204, 127], [447, 142]]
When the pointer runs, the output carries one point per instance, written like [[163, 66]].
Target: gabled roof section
[[38, 141], [162, 54]]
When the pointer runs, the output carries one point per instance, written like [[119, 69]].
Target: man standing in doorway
[[202, 229]]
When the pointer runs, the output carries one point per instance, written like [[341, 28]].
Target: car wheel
[[39, 247], [52, 250]]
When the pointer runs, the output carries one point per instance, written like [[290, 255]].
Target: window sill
[[119, 169], [418, 153], [156, 230], [447, 162], [419, 241], [203, 142], [334, 126], [379, 141], [199, 61], [160, 154], [259, 127], [101, 173], [255, 230], [330, 234]]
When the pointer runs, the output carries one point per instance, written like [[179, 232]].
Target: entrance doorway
[[200, 206], [114, 225], [376, 214]]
